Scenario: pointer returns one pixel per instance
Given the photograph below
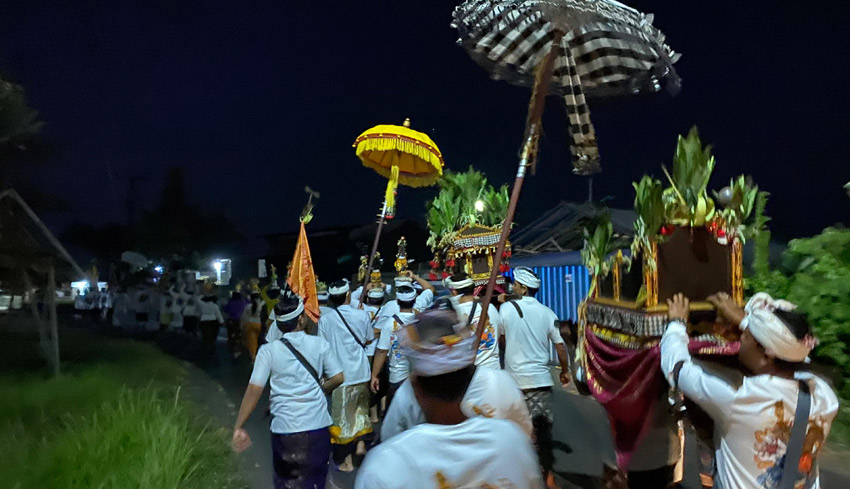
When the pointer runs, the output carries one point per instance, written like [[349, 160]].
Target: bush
[[815, 275]]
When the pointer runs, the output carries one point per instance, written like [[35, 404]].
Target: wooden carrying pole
[[535, 115], [372, 255]]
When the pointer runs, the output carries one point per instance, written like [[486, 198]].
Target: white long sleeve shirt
[[752, 423]]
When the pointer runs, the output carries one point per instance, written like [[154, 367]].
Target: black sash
[[303, 361], [350, 330], [791, 472]]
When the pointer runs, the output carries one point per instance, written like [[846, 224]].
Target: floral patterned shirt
[[752, 422]]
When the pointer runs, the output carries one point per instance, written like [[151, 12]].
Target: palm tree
[[18, 121]]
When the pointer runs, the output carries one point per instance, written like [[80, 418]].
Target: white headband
[[428, 359], [771, 332], [526, 277], [462, 284], [405, 297], [340, 290], [292, 315], [322, 296], [375, 293]]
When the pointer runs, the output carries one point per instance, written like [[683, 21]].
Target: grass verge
[[114, 419]]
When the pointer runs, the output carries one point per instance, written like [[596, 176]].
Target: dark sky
[[255, 99]]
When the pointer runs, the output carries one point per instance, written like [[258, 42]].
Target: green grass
[[114, 419]]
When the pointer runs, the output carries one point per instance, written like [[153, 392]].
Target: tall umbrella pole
[[374, 251], [529, 153]]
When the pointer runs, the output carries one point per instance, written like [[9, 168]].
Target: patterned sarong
[[301, 459], [539, 402], [350, 413]]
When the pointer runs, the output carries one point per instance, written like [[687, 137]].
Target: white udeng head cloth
[[375, 293], [771, 332], [399, 281], [342, 290], [450, 354], [292, 315], [527, 277], [405, 294], [460, 284]]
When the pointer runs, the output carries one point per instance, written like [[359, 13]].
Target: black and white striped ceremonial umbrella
[[604, 49]]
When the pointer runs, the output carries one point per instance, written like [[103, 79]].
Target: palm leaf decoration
[[739, 209], [599, 246], [454, 207], [649, 205], [687, 202]]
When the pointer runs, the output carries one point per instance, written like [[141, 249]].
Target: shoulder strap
[[791, 472], [471, 314], [518, 310], [398, 320], [303, 361], [349, 329], [377, 315]]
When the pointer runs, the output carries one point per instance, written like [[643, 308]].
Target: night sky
[[256, 99]]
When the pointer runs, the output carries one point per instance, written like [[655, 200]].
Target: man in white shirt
[[389, 345], [469, 310], [492, 393], [530, 329], [296, 365], [423, 289], [753, 423], [450, 449], [374, 303], [349, 332]]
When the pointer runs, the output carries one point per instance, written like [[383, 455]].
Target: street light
[[217, 268]]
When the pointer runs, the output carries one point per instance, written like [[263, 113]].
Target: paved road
[[582, 432]]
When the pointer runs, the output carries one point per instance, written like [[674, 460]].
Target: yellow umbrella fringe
[[409, 147], [392, 184]]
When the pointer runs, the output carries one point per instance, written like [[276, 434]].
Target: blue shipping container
[[563, 288]]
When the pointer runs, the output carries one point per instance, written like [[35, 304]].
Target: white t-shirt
[[491, 393], [298, 404], [752, 423], [479, 452], [210, 312], [389, 341], [351, 356], [528, 341], [423, 301], [488, 349]]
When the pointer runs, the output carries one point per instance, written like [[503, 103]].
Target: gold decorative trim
[[618, 262], [738, 272], [650, 275]]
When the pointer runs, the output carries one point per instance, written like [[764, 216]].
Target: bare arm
[[377, 365], [332, 383], [563, 359], [426, 285], [249, 403], [241, 440]]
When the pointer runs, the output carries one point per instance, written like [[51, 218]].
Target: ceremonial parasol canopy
[[602, 48], [401, 155]]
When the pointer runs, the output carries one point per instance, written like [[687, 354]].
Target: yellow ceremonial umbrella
[[401, 155]]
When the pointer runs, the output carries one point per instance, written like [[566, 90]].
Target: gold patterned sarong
[[350, 413]]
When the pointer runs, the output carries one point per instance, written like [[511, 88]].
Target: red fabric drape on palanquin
[[628, 383]]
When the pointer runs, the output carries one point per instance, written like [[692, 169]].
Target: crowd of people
[[460, 410]]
